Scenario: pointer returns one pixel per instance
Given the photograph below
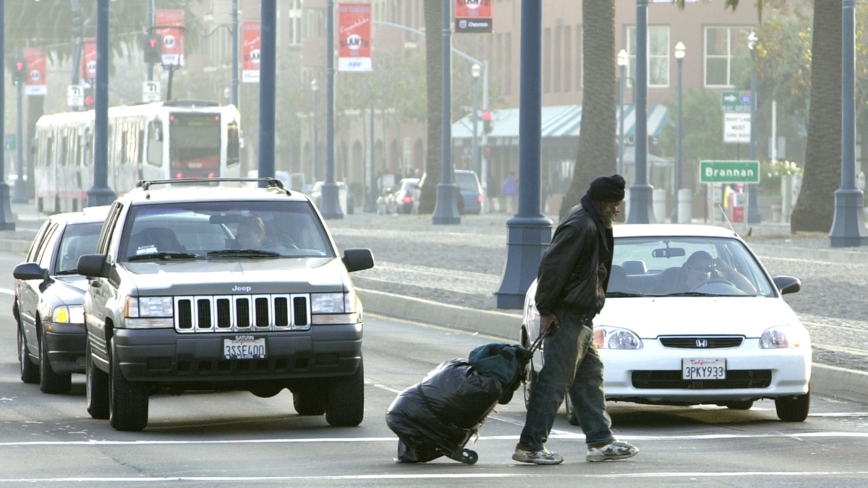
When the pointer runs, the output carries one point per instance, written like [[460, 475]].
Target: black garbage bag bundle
[[437, 416]]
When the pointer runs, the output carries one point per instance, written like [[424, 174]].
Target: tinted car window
[[77, 240], [466, 181]]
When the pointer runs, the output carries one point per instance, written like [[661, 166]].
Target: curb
[[792, 252], [830, 381]]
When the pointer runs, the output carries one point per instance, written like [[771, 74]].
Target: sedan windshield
[[685, 266], [224, 230]]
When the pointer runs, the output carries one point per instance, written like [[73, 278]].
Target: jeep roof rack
[[146, 184]]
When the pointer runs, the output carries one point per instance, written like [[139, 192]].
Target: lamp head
[[476, 70], [313, 85], [679, 50], [623, 58]]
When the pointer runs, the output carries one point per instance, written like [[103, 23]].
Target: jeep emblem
[[246, 289]]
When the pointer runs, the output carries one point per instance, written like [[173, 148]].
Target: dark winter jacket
[[574, 270]]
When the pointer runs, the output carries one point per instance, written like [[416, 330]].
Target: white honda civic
[[692, 317]]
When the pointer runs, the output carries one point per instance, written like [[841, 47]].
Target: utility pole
[[6, 220], [100, 193]]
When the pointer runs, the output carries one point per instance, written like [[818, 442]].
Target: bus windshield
[[194, 145]]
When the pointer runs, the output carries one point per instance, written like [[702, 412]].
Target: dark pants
[[571, 363]]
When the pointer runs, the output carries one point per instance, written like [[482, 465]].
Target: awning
[[558, 121]]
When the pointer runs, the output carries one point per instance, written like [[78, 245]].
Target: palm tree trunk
[[434, 88], [597, 151], [815, 208]]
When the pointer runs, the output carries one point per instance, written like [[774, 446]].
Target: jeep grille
[[242, 313]]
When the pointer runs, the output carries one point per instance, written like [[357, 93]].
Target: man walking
[[571, 290]]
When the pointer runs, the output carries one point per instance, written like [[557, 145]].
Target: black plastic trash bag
[[438, 416]]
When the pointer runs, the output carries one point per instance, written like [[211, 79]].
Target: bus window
[[232, 145], [194, 145], [155, 145]]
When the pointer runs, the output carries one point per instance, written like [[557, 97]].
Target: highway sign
[[74, 95], [729, 172], [733, 101], [736, 127]]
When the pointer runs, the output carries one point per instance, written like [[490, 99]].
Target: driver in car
[[251, 235], [701, 267]]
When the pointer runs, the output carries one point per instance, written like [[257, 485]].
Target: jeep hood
[[238, 277]]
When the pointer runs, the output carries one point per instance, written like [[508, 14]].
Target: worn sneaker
[[613, 451], [525, 455]]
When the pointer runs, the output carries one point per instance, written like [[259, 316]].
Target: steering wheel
[[711, 281]]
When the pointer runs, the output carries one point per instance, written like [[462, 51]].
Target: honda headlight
[[615, 338], [784, 337], [68, 315]]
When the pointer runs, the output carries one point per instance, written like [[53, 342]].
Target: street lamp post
[[848, 226], [19, 191], [623, 59], [331, 208], [641, 211], [446, 207], [314, 88], [7, 222], [476, 70], [753, 215], [679, 56], [100, 193]]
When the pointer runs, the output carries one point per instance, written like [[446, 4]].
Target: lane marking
[[433, 476], [359, 440], [7, 291]]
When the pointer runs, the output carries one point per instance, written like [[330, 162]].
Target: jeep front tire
[[346, 402]]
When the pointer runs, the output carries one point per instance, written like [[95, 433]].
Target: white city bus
[[161, 140]]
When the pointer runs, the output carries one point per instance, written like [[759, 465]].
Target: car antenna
[[724, 218]]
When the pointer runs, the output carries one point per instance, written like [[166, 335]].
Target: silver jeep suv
[[209, 288]]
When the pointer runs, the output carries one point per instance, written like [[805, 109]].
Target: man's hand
[[548, 324]]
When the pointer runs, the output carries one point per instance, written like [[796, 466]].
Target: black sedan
[[48, 299]]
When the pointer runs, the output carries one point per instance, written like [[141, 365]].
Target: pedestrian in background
[[509, 191], [571, 290]]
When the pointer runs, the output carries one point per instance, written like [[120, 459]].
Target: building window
[[295, 23], [558, 77], [508, 88], [722, 44], [568, 59], [658, 55], [580, 61], [547, 61]]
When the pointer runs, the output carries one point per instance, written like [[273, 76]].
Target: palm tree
[[597, 152], [815, 208], [434, 88]]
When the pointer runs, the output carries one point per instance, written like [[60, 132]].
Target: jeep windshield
[[224, 230]]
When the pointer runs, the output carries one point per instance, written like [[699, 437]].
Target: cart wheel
[[465, 456]]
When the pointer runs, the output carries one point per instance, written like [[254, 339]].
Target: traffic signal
[[153, 49], [88, 101], [486, 122], [19, 73]]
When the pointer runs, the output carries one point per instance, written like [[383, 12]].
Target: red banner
[[251, 36], [354, 37], [88, 58], [473, 15], [35, 84], [170, 28]]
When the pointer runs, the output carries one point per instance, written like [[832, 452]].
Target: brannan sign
[[729, 172]]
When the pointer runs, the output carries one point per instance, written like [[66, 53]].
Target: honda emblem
[[701, 343]]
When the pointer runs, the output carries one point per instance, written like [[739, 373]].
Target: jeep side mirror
[[92, 266], [358, 259]]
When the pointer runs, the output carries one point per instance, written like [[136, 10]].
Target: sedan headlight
[[615, 338], [68, 315], [148, 307], [786, 336]]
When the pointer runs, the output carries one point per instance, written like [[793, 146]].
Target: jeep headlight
[[784, 337], [615, 338], [68, 315], [149, 313], [335, 308]]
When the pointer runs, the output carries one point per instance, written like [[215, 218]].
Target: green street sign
[[729, 172], [733, 101]]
